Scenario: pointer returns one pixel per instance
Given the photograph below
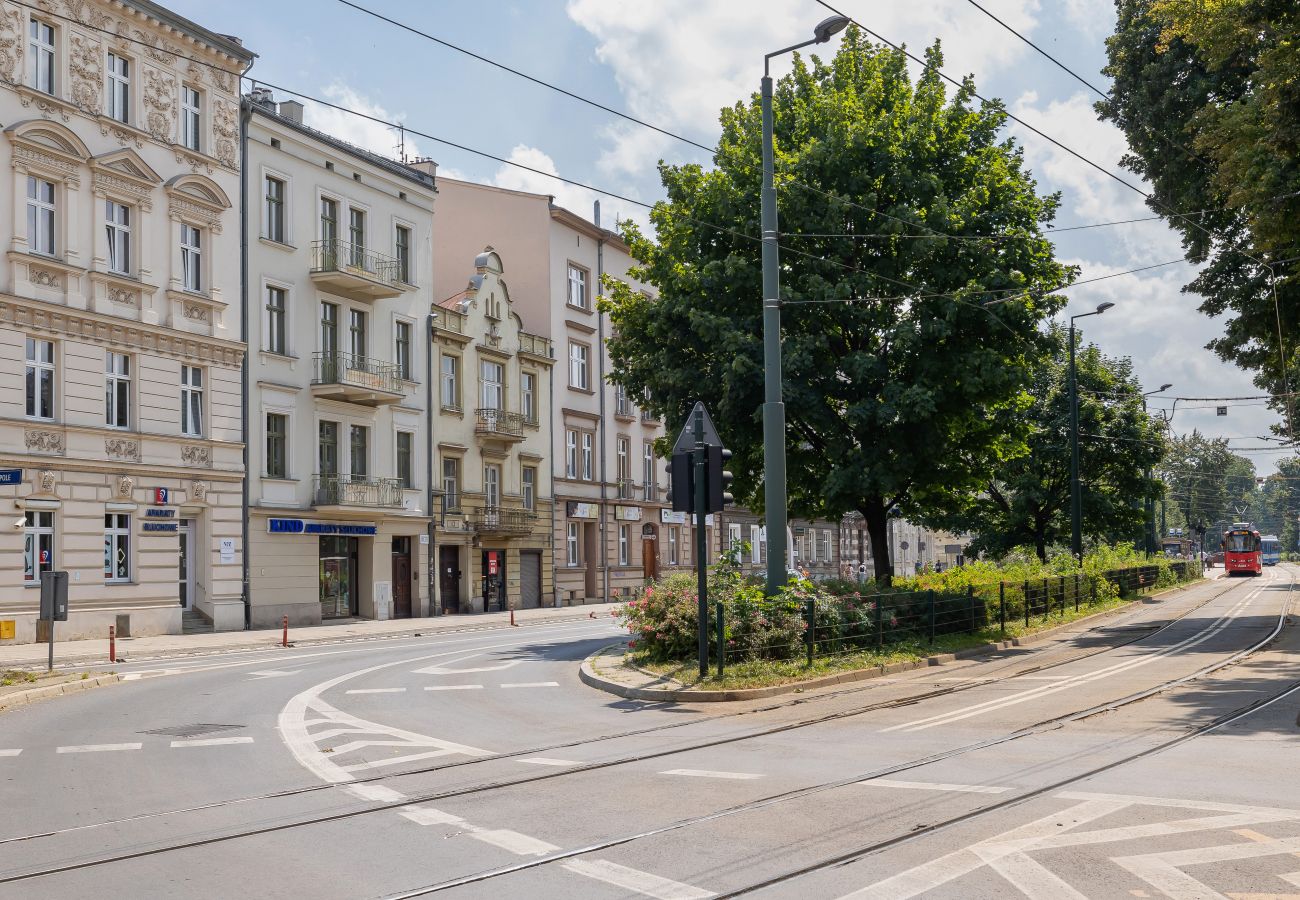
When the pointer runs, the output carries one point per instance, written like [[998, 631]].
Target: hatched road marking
[[706, 773], [635, 880]]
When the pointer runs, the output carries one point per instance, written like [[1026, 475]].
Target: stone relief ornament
[[11, 43], [159, 91], [87, 73], [224, 80], [122, 448], [225, 123], [46, 481], [125, 484], [196, 455], [121, 295], [198, 491], [43, 277], [196, 312], [44, 441], [121, 135]]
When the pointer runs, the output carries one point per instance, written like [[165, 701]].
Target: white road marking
[[531, 684], [376, 792], [454, 687], [427, 815], [546, 761], [512, 841], [10, 752], [97, 748], [635, 880], [443, 670], [273, 673], [1163, 870], [376, 691], [934, 786], [706, 773], [1291, 878], [212, 742]]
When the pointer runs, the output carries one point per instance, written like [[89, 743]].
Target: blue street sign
[[11, 476]]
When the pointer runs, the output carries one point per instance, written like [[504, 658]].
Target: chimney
[[262, 97], [424, 164], [291, 110]]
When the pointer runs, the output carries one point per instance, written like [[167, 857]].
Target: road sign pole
[[701, 538]]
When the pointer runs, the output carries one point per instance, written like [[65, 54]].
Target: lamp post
[[1149, 507], [1076, 511], [773, 405]]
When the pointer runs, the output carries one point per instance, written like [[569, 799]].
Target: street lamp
[[1076, 512], [773, 405], [1149, 507]]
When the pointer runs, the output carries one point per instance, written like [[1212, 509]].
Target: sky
[[675, 63]]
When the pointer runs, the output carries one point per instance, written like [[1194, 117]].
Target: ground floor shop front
[[317, 569], [482, 571]]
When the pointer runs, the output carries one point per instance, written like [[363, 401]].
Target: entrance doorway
[[649, 552], [401, 578], [185, 563], [338, 577], [595, 560], [530, 579], [449, 578], [494, 582]]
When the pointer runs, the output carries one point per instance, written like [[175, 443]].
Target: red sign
[[492, 562], [160, 496]]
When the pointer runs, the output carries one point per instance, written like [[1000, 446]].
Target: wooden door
[[449, 578], [401, 578]]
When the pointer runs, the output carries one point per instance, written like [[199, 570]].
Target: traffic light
[[718, 479], [681, 481]]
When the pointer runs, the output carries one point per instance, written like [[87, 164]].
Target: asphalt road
[[1148, 757]]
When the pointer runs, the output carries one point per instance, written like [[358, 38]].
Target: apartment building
[[339, 297], [492, 445], [609, 529], [120, 347]]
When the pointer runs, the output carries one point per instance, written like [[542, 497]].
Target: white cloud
[[364, 133], [1095, 18]]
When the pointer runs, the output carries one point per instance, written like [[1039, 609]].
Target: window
[[119, 87], [587, 472], [191, 258], [359, 458], [672, 545], [192, 401], [491, 375], [577, 287], [623, 545], [733, 538], [41, 47], [450, 382], [405, 445], [329, 229], [570, 544], [276, 331], [622, 406], [329, 448], [357, 335], [528, 396], [755, 551], [357, 236], [621, 452], [117, 223], [329, 328], [578, 377], [274, 212], [402, 338], [38, 549], [191, 117], [648, 468], [277, 439], [450, 483], [404, 253], [40, 379], [117, 390], [117, 547], [823, 538], [40, 216], [528, 480], [492, 486], [571, 454]]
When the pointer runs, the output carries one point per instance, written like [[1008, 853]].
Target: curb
[[23, 698], [590, 676]]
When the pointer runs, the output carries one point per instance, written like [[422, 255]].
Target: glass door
[[185, 567], [335, 587]]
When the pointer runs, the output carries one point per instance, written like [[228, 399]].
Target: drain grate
[[191, 731]]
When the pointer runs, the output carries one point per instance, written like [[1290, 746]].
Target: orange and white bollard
[[512, 615], [112, 643], [284, 641]]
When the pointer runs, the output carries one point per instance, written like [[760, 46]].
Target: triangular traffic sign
[[686, 440]]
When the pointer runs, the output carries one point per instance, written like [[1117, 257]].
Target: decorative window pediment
[[44, 146], [198, 198], [124, 173]]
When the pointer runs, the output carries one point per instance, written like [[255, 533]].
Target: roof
[[453, 301], [223, 43], [391, 166]]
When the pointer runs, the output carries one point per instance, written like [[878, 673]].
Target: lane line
[[212, 742], [547, 761], [933, 786], [375, 792], [635, 880], [454, 687], [10, 752], [427, 815], [443, 670], [706, 773], [530, 684], [512, 841], [97, 748], [375, 691]]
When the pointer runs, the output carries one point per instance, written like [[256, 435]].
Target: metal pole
[[810, 618], [722, 638], [1076, 514], [930, 598], [1002, 607], [701, 544], [773, 407]]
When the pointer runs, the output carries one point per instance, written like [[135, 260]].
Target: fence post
[[1076, 591], [722, 638], [1047, 599], [970, 608], [1026, 602], [930, 596], [1092, 595], [810, 616], [880, 624], [1002, 607]]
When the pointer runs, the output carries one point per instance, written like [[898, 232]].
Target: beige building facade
[[120, 344], [339, 299]]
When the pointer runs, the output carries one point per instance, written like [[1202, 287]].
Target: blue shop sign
[[160, 526], [11, 476], [299, 526]]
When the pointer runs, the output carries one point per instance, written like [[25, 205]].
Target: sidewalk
[[172, 645]]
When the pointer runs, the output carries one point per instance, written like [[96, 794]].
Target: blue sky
[[675, 62]]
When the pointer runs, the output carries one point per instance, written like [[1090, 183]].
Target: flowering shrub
[[664, 618]]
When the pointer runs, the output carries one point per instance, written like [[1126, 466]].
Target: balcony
[[651, 492], [498, 520], [357, 491], [356, 379], [353, 271], [499, 424], [626, 489], [449, 320], [535, 345], [622, 407]]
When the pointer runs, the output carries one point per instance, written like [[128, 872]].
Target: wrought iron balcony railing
[[332, 367], [344, 256], [651, 492], [499, 520], [498, 422], [357, 490]]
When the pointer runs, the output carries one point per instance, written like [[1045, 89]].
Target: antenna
[[401, 143]]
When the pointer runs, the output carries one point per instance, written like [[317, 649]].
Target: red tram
[[1242, 550]]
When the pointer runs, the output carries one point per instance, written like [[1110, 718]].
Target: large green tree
[[1207, 93], [898, 381], [1206, 483], [1027, 502]]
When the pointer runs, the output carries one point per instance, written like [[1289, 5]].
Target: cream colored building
[[609, 527], [120, 346], [339, 296], [492, 438]]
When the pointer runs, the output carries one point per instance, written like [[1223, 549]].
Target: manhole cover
[[191, 731]]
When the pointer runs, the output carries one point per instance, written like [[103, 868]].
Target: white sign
[[227, 550], [668, 517], [424, 538], [629, 513], [583, 510]]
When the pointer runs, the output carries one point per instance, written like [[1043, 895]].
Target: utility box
[[54, 596], [123, 627]]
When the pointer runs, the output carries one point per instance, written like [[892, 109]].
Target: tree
[[1207, 483], [898, 382], [1028, 501], [1206, 93]]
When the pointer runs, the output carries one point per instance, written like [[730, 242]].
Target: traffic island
[[19, 688]]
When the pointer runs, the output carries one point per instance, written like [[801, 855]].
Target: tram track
[[596, 766]]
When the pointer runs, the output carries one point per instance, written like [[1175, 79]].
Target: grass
[[768, 672], [11, 677]]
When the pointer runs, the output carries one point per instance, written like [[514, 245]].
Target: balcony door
[[492, 494]]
